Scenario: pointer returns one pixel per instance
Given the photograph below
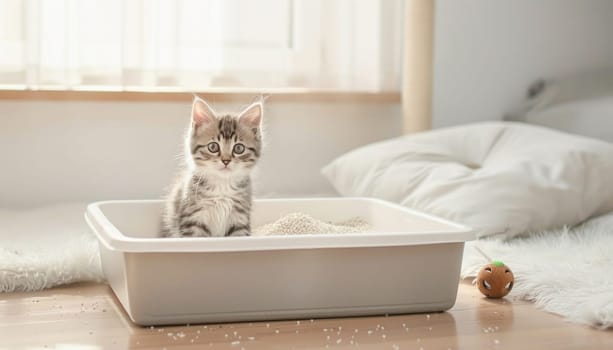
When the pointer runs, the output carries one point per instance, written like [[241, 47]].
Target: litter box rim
[[112, 238]]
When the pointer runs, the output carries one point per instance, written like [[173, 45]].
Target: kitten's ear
[[202, 113], [252, 115]]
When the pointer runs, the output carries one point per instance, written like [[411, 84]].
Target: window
[[195, 45]]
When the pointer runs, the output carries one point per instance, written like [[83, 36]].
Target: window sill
[[281, 95]]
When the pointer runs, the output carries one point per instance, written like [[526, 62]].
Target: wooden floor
[[87, 316]]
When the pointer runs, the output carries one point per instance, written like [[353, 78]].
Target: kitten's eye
[[238, 148], [213, 147]]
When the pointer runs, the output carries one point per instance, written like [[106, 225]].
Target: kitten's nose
[[225, 161]]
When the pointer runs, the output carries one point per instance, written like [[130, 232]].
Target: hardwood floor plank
[[87, 316]]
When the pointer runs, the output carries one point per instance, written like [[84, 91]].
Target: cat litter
[[299, 223], [307, 245]]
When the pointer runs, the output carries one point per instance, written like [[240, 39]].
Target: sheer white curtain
[[194, 45]]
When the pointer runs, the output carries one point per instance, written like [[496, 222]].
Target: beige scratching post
[[417, 65]]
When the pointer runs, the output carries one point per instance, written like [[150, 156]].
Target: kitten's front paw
[[238, 231], [240, 234], [194, 229]]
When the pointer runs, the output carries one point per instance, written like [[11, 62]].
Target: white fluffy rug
[[568, 272], [46, 247]]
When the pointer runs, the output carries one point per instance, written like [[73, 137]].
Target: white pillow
[[579, 86], [502, 179], [591, 117]]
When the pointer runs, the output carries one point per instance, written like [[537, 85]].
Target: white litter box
[[410, 263]]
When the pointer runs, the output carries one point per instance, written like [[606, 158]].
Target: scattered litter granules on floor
[[298, 223]]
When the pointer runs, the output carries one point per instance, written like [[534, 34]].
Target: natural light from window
[[200, 45]]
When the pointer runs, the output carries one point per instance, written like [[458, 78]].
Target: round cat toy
[[495, 280]]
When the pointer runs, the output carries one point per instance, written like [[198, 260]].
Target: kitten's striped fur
[[212, 196]]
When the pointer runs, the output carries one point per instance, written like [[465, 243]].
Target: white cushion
[[500, 178], [590, 117]]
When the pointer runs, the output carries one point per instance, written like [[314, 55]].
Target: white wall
[[86, 151], [488, 51]]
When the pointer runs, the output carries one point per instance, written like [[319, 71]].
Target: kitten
[[213, 194]]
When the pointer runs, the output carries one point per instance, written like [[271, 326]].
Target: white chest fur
[[217, 204], [217, 213]]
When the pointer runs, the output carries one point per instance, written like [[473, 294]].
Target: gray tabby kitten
[[213, 194]]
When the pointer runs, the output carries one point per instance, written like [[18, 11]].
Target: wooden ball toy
[[495, 280]]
